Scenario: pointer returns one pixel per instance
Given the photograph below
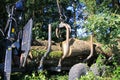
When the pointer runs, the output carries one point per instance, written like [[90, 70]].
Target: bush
[[39, 76]]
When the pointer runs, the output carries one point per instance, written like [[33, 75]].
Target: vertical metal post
[[8, 63], [40, 67]]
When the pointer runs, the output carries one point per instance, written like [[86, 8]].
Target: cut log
[[80, 46]]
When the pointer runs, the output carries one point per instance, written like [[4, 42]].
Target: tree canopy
[[103, 17]]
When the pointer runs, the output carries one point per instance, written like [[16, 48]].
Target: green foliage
[[37, 53], [91, 5], [111, 72], [53, 54], [116, 74], [104, 26], [38, 33], [103, 69], [103, 21], [40, 76], [59, 77], [91, 76], [100, 60]]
